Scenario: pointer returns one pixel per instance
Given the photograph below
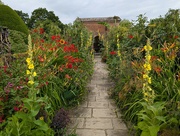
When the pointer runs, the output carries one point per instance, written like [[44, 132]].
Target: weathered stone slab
[[104, 113], [98, 123], [91, 98], [82, 112], [102, 98], [119, 124], [76, 123], [117, 133], [98, 104], [89, 132]]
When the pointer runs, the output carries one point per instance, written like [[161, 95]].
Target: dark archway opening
[[97, 45]]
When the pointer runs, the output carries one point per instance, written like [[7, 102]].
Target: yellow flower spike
[[31, 82], [31, 66], [149, 80], [147, 67], [34, 74], [28, 72], [28, 60], [148, 57], [145, 76]]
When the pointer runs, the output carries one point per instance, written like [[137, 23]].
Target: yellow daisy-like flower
[[147, 48], [31, 82], [62, 41], [28, 72], [31, 66], [41, 118], [34, 74]]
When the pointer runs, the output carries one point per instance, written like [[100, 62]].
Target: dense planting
[[143, 60]]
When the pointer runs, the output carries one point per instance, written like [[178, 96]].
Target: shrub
[[10, 19]]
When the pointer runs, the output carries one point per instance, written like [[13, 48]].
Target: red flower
[[35, 30], [67, 76], [41, 30], [69, 65], [113, 53], [16, 108], [42, 40], [175, 37], [130, 36], [53, 37]]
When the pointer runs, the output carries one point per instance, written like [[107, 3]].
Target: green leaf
[[153, 130], [161, 118], [142, 125], [35, 110], [145, 133], [42, 125]]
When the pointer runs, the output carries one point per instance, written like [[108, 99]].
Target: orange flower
[[67, 76], [158, 70]]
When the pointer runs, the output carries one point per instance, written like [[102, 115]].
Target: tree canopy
[[40, 15], [24, 16]]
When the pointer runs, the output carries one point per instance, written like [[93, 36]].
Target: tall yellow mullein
[[118, 46], [147, 91], [30, 64]]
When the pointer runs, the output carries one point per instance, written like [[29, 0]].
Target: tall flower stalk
[[147, 91], [118, 46]]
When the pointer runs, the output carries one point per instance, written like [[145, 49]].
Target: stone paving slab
[[98, 104], [101, 113], [116, 133], [90, 132], [98, 123]]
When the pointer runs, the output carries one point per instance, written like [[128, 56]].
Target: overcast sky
[[69, 10]]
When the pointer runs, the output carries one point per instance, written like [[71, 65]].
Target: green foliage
[[18, 41], [10, 19], [40, 15], [151, 119], [24, 16]]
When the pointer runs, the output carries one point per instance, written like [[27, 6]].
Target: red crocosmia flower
[[41, 59], [154, 58], [53, 37], [130, 36], [16, 108], [35, 30], [67, 76], [175, 37], [61, 69], [69, 65], [113, 53], [47, 83], [158, 70], [42, 40], [41, 30]]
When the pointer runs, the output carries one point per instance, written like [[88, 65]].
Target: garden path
[[98, 115]]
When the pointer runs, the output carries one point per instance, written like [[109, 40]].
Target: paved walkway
[[98, 116]]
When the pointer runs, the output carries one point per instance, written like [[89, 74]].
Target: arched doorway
[[97, 45]]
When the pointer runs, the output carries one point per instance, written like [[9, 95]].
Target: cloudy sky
[[69, 10]]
